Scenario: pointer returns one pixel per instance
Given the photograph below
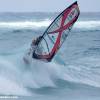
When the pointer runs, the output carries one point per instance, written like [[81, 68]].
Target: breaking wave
[[25, 24], [45, 23]]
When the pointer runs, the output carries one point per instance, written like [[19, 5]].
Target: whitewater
[[74, 73]]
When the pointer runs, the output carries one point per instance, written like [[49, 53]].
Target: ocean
[[73, 74]]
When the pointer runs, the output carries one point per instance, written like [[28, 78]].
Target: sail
[[56, 33]]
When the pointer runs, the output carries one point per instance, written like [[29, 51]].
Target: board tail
[[56, 33]]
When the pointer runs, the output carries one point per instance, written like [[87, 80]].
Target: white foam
[[8, 87], [10, 80], [25, 24], [46, 22], [87, 24]]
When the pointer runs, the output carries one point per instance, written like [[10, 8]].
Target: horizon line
[[44, 12]]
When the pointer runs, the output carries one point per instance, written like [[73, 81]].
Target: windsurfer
[[35, 43]]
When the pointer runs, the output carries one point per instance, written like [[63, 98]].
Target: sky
[[47, 5]]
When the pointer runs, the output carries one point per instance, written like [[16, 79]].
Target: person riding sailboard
[[46, 46], [35, 42]]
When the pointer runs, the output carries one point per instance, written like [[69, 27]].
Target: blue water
[[74, 73]]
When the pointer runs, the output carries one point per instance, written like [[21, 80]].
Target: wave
[[85, 26], [82, 74], [9, 74], [46, 22], [25, 24]]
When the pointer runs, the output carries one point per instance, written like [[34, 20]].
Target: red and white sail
[[56, 33]]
